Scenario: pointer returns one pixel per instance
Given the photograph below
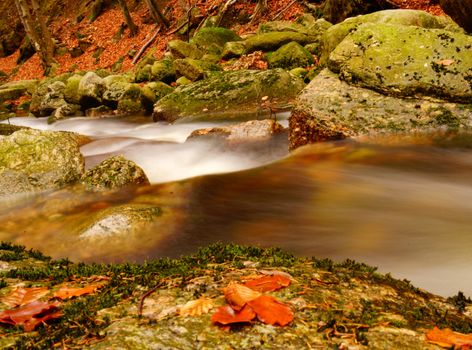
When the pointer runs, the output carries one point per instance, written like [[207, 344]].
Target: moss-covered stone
[[182, 49], [273, 40], [114, 93], [406, 61], [289, 56], [30, 160], [233, 49], [144, 74], [235, 94], [113, 173], [163, 70], [90, 91], [212, 40], [71, 91], [330, 109], [116, 78], [183, 81], [66, 110], [16, 89], [335, 34], [153, 92], [194, 69]]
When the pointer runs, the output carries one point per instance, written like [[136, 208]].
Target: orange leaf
[[70, 292], [271, 311], [445, 62], [31, 315], [196, 307], [268, 283], [238, 295], [448, 338], [226, 315], [23, 296]]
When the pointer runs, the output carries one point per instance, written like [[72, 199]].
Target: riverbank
[[136, 306]]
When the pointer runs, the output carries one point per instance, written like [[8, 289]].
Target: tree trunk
[[37, 31], [129, 21], [156, 13]]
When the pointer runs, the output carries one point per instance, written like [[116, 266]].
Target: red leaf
[[238, 295], [70, 292], [271, 311], [31, 315], [448, 338], [268, 283], [24, 296], [226, 315]]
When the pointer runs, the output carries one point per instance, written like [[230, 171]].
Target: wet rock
[[233, 49], [289, 56], [115, 92], [273, 40], [229, 95], [121, 221], [213, 39], [335, 34], [90, 90], [163, 71], [330, 109], [130, 101], [194, 69], [99, 111], [30, 160], [248, 131], [460, 11], [113, 173], [406, 61], [183, 49], [66, 110], [153, 92]]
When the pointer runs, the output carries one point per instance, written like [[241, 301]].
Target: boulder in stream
[[33, 160], [229, 95]]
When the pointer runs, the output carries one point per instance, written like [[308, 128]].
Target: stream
[[402, 204]]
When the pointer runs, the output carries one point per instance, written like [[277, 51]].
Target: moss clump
[[289, 56], [212, 40]]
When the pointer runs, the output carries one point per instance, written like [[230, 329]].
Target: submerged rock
[[113, 173], [229, 95], [33, 160], [329, 108]]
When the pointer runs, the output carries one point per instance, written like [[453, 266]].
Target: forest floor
[[105, 49]]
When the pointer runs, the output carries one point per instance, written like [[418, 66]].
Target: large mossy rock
[[114, 172], [213, 39], [90, 90], [182, 49], [153, 92], [460, 11], [194, 69], [331, 109], [33, 160], [406, 61], [335, 34], [289, 56], [71, 91], [16, 89], [229, 95], [48, 98], [273, 40], [163, 71]]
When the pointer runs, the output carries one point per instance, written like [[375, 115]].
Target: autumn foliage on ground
[[106, 46]]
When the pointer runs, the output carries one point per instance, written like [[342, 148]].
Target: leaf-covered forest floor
[[106, 46]]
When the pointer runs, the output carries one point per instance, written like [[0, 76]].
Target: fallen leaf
[[196, 307], [445, 62], [275, 273], [31, 315], [268, 283], [238, 295], [226, 315], [24, 296], [448, 338], [70, 292], [271, 311]]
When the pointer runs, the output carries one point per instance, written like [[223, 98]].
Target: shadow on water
[[405, 206]]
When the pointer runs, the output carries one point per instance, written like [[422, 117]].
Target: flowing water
[[402, 204]]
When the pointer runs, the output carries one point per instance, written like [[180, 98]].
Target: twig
[[284, 9], [145, 295], [145, 46]]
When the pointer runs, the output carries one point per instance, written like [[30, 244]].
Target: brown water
[[405, 206]]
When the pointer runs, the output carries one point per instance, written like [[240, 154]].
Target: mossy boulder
[[115, 92], [153, 92], [289, 56], [30, 160], [335, 34], [116, 78], [273, 40], [53, 98], [406, 61], [90, 91], [16, 89], [65, 110], [233, 49], [113, 173], [194, 69], [229, 95], [183, 81], [131, 100], [331, 109], [144, 74], [163, 70], [71, 91], [281, 26], [182, 49], [213, 39]]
